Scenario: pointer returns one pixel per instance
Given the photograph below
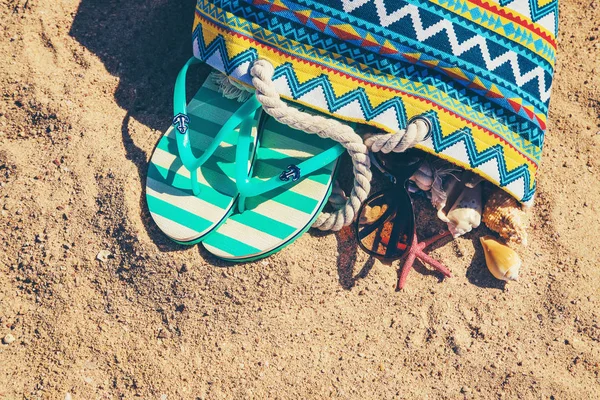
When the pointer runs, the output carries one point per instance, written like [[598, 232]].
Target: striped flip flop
[[292, 179], [187, 196]]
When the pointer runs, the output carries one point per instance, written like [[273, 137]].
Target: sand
[[86, 92]]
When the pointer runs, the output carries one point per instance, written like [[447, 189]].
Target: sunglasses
[[385, 227]]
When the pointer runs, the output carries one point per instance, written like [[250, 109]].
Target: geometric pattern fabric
[[480, 70]]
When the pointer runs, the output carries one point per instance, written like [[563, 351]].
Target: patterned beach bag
[[477, 71]]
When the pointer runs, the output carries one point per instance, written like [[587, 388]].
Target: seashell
[[444, 179], [423, 177], [504, 215], [460, 203], [465, 214], [444, 199], [502, 261], [471, 179]]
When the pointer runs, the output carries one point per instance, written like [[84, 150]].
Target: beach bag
[[478, 71]]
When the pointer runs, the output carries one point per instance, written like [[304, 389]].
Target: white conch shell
[[443, 180], [465, 214], [447, 197], [461, 203], [502, 261]]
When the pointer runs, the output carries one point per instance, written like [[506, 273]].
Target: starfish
[[415, 251]]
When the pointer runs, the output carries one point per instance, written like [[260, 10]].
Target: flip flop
[[289, 185], [189, 196]]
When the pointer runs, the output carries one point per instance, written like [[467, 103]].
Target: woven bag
[[479, 71]]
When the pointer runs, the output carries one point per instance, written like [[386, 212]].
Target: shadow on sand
[[144, 44]]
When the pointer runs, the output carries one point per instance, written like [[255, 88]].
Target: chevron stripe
[[355, 70], [458, 48], [336, 103], [318, 38], [476, 159], [536, 11], [473, 70], [219, 47], [369, 114], [411, 71]]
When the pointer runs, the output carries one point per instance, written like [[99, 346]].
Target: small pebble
[[163, 334], [103, 255], [68, 396], [8, 339]]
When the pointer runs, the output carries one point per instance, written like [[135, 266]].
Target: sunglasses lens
[[399, 162], [385, 224]]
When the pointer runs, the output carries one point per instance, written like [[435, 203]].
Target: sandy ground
[[85, 94]]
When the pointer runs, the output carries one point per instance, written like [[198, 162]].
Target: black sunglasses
[[385, 227]]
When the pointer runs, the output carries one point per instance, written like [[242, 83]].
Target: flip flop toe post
[[291, 181], [190, 186]]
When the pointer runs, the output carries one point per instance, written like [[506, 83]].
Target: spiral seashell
[[459, 202], [443, 199], [444, 179], [465, 214], [504, 215], [502, 261]]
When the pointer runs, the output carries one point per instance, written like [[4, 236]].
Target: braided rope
[[401, 140], [338, 197], [262, 75]]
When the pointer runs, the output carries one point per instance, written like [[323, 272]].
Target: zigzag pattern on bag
[[368, 112], [215, 50], [478, 159], [459, 44], [538, 11], [535, 12], [301, 30], [530, 132], [479, 71], [335, 104], [504, 31]]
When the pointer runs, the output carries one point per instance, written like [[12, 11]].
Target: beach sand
[[86, 94]]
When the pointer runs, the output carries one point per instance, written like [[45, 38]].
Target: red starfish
[[416, 251]]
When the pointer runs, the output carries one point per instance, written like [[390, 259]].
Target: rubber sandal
[[189, 196], [292, 179]]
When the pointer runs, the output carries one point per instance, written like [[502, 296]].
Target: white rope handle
[[401, 140], [262, 79]]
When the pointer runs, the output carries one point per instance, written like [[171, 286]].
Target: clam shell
[[502, 261], [504, 215]]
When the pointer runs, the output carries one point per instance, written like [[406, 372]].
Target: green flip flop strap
[[250, 187], [181, 123]]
